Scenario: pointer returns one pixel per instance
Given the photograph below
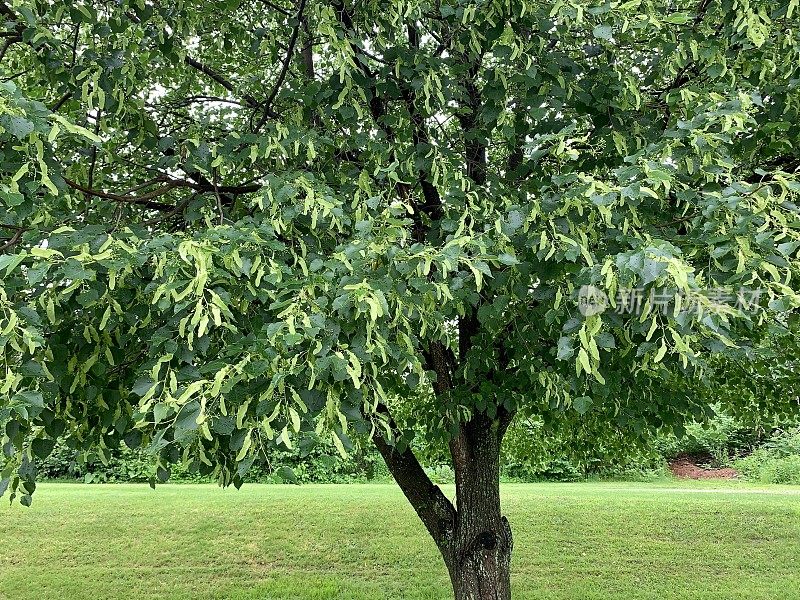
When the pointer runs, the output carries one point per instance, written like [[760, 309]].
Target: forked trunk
[[474, 537]]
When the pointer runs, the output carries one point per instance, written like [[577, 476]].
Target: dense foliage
[[232, 223]]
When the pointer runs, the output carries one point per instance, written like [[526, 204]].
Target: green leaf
[[606, 341], [677, 19], [286, 474], [20, 127], [662, 351], [248, 442], [160, 412], [338, 443], [583, 360], [9, 262], [603, 32], [142, 386], [77, 129], [187, 417], [42, 447], [29, 398], [582, 404], [295, 419], [163, 474], [565, 349], [133, 439]]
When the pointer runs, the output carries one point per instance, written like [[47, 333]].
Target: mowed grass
[[586, 541]]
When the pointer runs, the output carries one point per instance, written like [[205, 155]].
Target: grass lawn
[[583, 541]]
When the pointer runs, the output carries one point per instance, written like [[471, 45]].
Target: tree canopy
[[230, 224]]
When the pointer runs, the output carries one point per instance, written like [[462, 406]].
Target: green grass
[[587, 541]]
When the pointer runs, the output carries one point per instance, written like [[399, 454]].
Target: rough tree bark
[[473, 537], [481, 550]]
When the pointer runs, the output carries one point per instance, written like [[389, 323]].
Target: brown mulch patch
[[686, 467]]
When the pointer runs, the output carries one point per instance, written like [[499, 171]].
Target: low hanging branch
[[434, 508]]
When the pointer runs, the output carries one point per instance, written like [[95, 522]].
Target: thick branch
[[475, 147], [170, 184], [307, 51], [433, 507], [376, 106], [475, 155], [432, 204], [6, 10], [12, 37]]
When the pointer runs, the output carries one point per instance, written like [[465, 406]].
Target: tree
[[233, 224]]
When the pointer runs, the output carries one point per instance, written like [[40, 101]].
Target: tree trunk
[[484, 573], [479, 555], [473, 537]]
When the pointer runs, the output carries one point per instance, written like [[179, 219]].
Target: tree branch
[[14, 239], [439, 358], [6, 10], [12, 37], [274, 6], [61, 101], [144, 200], [434, 509], [284, 68], [211, 73], [169, 184]]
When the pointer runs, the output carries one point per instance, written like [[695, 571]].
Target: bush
[[319, 463], [126, 465], [529, 454], [718, 440], [534, 451], [777, 461], [641, 474], [441, 474]]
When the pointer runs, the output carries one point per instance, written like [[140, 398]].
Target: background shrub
[[776, 461], [761, 453]]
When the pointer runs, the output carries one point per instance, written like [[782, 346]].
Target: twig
[[14, 240], [219, 199]]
